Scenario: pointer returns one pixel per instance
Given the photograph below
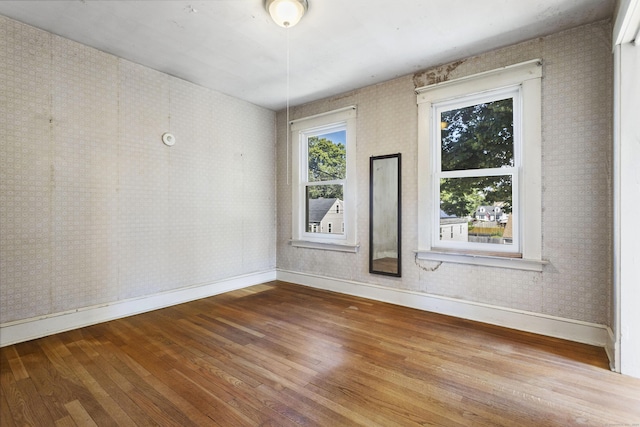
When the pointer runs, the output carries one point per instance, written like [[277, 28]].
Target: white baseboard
[[611, 349], [558, 327], [569, 329], [37, 327]]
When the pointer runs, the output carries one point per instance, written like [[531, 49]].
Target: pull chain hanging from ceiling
[[288, 131], [287, 13]]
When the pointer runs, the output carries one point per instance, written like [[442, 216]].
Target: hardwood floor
[[283, 355]]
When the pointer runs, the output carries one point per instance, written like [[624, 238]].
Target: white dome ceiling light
[[286, 13]]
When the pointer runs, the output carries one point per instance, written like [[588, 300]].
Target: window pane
[[327, 156], [324, 207], [477, 209], [478, 137]]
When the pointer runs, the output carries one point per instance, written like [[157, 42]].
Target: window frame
[[301, 129], [513, 92], [527, 76]]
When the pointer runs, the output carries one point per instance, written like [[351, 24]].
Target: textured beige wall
[[93, 207], [576, 171]]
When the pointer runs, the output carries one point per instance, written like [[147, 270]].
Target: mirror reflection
[[384, 215]]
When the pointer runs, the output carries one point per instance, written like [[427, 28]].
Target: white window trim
[[528, 75], [300, 238]]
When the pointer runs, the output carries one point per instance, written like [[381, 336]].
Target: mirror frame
[[372, 161]]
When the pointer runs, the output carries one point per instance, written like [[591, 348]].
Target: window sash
[[305, 183], [318, 132], [512, 248], [513, 92]]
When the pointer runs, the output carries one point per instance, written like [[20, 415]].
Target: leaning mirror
[[384, 215]]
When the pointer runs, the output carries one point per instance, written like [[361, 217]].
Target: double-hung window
[[479, 162], [323, 190]]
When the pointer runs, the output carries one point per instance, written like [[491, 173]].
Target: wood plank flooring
[[285, 355]]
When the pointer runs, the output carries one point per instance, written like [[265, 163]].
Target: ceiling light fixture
[[286, 13]]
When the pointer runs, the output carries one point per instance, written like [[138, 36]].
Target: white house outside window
[[324, 192], [479, 163]]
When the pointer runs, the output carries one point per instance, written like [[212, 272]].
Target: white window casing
[[526, 77], [344, 118]]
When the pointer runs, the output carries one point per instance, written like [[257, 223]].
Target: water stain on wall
[[435, 75]]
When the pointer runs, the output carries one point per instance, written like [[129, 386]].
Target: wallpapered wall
[[576, 192], [94, 208]]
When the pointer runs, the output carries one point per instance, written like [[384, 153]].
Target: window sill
[[483, 260], [339, 247]]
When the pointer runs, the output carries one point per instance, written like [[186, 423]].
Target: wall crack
[[422, 267]]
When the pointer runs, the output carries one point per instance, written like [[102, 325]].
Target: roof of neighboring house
[[443, 214], [452, 220], [446, 219], [318, 208]]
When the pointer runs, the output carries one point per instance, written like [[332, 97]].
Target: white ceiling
[[234, 47]]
